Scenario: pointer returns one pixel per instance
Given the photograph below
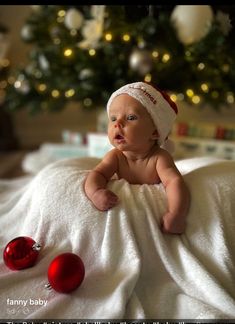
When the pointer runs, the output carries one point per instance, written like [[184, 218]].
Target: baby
[[140, 120]]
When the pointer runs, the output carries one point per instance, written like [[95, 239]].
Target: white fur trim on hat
[[160, 110]]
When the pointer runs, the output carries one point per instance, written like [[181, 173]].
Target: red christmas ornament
[[66, 272], [20, 253]]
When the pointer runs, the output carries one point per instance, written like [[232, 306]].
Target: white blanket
[[133, 271]]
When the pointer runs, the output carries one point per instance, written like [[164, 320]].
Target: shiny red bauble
[[20, 253], [66, 272]]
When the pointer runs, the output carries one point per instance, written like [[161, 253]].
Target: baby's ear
[[155, 135]]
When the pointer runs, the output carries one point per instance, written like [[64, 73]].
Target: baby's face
[[130, 125]]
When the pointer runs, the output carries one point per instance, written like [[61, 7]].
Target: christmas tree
[[84, 53]]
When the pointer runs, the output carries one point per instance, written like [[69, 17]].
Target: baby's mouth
[[119, 137]]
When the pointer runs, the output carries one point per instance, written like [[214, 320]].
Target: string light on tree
[[69, 93], [201, 66], [68, 52], [92, 52], [55, 93], [166, 57], [205, 87], [196, 99], [230, 98], [173, 97], [126, 37], [190, 93], [42, 87], [61, 13], [148, 77], [108, 37], [155, 54]]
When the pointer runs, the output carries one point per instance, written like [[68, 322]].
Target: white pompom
[[192, 22], [73, 19]]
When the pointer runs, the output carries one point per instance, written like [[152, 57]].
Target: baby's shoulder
[[113, 154], [162, 155], [159, 152]]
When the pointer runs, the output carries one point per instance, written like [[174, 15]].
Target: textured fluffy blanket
[[132, 269]]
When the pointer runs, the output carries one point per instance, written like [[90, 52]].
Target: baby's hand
[[104, 199], [172, 224]]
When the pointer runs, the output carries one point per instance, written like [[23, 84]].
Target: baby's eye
[[113, 118], [131, 117]]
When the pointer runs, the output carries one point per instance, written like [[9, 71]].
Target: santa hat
[[158, 104]]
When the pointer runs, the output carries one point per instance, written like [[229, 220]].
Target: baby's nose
[[118, 124]]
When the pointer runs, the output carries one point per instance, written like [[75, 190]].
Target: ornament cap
[[36, 247], [48, 286]]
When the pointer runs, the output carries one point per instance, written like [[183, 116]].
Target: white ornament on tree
[[86, 74], [192, 22], [92, 30], [73, 19], [43, 62], [141, 61], [27, 33]]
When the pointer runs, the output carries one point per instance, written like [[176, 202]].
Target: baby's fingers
[[112, 197]]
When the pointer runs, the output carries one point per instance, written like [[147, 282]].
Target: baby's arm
[[174, 221], [96, 182]]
